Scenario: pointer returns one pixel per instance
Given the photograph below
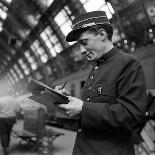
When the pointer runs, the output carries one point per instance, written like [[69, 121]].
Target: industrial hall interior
[[36, 58]]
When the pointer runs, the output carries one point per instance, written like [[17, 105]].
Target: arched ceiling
[[17, 19]]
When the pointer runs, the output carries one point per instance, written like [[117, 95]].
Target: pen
[[63, 85]]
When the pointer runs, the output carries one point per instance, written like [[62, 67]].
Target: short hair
[[107, 27]]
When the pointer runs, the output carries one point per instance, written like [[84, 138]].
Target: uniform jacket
[[114, 98]]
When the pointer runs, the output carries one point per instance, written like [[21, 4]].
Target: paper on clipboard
[[45, 94]]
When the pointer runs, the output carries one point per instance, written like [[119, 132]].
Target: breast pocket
[[102, 92]]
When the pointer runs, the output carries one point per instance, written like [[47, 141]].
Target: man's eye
[[83, 42]]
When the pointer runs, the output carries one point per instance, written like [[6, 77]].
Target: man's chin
[[91, 58]]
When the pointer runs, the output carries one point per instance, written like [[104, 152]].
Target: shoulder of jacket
[[125, 57]]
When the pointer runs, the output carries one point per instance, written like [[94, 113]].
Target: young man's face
[[91, 45]]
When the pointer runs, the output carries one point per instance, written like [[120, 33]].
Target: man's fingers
[[57, 88], [62, 91], [63, 106]]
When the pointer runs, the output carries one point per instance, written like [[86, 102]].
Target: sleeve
[[129, 110]]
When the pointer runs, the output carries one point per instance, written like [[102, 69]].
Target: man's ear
[[103, 34]]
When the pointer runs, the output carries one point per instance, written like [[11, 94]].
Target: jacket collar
[[108, 55]]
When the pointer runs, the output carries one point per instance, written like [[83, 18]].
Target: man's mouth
[[89, 54]]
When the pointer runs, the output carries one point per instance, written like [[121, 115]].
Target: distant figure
[[9, 107]]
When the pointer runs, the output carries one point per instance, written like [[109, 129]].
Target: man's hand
[[62, 91], [74, 107]]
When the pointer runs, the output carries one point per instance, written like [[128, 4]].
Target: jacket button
[[88, 99], [96, 67], [92, 77]]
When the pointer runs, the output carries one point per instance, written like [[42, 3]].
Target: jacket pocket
[[102, 92]]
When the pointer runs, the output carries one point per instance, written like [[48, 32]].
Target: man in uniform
[[113, 101]]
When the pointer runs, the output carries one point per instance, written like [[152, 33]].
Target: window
[[14, 74], [21, 76], [51, 41], [39, 51], [3, 13], [10, 78], [63, 22], [24, 66], [31, 60]]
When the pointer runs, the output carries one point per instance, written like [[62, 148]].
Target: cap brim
[[73, 35]]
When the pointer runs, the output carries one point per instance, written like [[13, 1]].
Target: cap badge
[[84, 25], [87, 25]]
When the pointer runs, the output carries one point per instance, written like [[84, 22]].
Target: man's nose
[[82, 49]]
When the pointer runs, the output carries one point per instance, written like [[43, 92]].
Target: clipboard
[[45, 94]]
